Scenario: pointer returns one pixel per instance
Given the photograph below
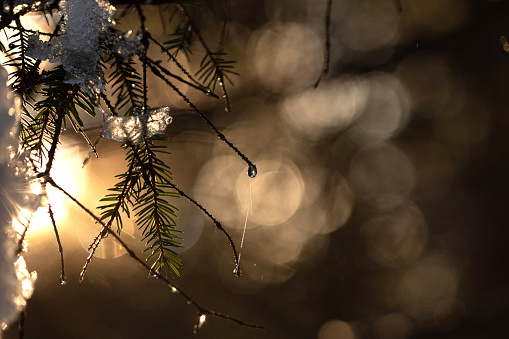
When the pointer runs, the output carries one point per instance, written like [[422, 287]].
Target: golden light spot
[[275, 194], [336, 329]]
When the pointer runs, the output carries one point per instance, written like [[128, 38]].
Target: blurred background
[[379, 209]]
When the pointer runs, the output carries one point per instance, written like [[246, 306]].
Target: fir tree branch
[[168, 73], [58, 127], [179, 65], [125, 80], [171, 285], [194, 202], [219, 70], [221, 136]]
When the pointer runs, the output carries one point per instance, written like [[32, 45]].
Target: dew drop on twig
[[252, 171], [156, 273], [63, 280]]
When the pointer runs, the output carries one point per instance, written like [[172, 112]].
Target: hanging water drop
[[156, 273], [104, 233], [62, 280], [252, 171], [199, 324], [237, 272]]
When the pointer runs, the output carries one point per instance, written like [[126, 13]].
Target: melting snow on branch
[[16, 283], [77, 48], [133, 129]]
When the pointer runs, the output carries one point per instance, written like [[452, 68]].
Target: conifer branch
[[58, 127], [179, 65], [221, 136], [199, 87], [218, 68], [197, 204], [147, 181], [171, 285]]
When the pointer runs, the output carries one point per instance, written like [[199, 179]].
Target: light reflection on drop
[[62, 280], [252, 171]]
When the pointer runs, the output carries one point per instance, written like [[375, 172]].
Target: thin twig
[[60, 249], [145, 42], [58, 128], [327, 50], [179, 65], [193, 106], [22, 238], [216, 222], [103, 233], [172, 286], [219, 72], [199, 87], [21, 324]]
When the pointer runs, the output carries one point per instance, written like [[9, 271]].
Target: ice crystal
[[121, 44], [77, 47], [133, 129]]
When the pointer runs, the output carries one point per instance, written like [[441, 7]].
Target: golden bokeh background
[[379, 209]]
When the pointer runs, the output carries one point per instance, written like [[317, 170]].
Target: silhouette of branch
[[221, 136], [171, 285], [327, 49], [209, 53]]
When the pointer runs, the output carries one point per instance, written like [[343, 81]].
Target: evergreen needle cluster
[[50, 103], [52, 99]]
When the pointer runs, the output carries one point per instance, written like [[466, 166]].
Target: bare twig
[[63, 278], [22, 238], [145, 42], [327, 49]]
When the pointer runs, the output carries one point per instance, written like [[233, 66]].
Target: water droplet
[[237, 272], [174, 289], [62, 280], [252, 171], [104, 233], [156, 273]]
